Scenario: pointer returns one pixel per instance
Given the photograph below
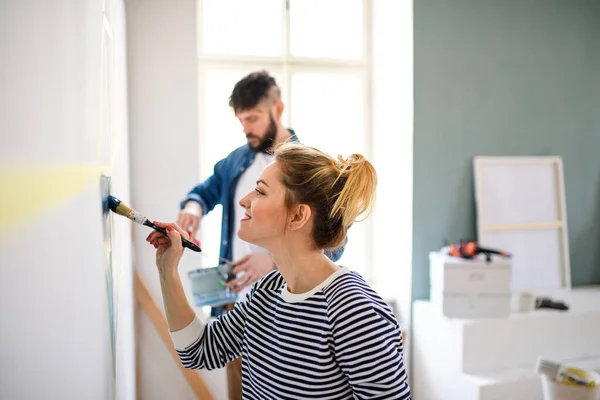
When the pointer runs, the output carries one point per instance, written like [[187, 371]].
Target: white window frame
[[287, 64]]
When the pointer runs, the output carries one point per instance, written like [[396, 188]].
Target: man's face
[[259, 127]]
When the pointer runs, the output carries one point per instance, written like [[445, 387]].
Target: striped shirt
[[338, 341]]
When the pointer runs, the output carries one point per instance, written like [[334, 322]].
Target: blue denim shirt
[[219, 188]]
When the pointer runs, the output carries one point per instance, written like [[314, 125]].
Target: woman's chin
[[247, 237], [243, 234]]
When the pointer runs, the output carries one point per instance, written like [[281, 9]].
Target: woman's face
[[265, 217]]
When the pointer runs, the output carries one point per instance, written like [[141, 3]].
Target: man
[[256, 102]]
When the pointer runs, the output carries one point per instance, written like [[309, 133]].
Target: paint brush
[[120, 208]]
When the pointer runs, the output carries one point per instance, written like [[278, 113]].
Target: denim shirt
[[219, 188]]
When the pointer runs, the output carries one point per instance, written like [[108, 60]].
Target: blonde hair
[[338, 191]]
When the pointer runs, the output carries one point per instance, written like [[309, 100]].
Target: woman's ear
[[300, 217]]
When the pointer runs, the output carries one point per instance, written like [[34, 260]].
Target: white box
[[470, 288]]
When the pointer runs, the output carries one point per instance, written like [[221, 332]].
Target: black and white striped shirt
[[338, 341]]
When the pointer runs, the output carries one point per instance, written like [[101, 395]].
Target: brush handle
[[184, 242]]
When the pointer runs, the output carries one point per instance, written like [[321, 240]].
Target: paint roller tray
[[208, 286]]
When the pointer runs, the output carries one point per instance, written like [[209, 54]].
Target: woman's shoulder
[[271, 281], [348, 284], [350, 293]]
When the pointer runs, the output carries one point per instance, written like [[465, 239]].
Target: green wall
[[500, 77]]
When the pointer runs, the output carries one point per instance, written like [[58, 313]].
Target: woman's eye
[[258, 192]]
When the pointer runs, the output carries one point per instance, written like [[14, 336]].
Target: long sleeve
[[368, 344], [211, 346], [335, 254], [208, 193]]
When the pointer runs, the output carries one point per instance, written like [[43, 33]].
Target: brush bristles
[[125, 211], [119, 208], [546, 367]]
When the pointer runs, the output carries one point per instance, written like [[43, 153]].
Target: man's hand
[[189, 218], [249, 269]]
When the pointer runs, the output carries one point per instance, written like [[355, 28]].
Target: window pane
[[327, 111], [210, 237], [242, 27], [326, 28], [355, 253], [220, 133]]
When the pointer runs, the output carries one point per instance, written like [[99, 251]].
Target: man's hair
[[252, 89]]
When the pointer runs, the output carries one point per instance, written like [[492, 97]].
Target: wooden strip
[[138, 350], [143, 296], [519, 160], [520, 227], [137, 315], [562, 212]]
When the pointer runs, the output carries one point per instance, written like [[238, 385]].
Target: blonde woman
[[311, 328]]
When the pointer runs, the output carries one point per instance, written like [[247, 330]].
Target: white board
[[520, 203]]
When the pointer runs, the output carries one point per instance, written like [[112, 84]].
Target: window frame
[[285, 66]]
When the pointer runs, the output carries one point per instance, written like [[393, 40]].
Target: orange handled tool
[[469, 250]]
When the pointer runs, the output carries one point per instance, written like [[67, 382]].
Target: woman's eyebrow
[[262, 181]]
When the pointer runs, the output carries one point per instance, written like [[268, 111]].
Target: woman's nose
[[244, 201]]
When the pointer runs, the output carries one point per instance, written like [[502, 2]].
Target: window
[[318, 51]]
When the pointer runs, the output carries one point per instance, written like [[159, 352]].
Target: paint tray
[[208, 286]]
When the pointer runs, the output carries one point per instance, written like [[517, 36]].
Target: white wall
[[165, 161], [54, 341]]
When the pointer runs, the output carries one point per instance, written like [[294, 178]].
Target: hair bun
[[353, 160]]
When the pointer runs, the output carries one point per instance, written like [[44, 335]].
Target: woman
[[310, 329]]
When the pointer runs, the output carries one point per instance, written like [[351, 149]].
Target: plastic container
[[208, 286]]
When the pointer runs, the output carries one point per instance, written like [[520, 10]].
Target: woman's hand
[[169, 248]]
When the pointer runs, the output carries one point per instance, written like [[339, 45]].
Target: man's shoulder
[[233, 159], [238, 153]]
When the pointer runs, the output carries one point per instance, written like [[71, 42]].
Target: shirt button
[[242, 169], [224, 241]]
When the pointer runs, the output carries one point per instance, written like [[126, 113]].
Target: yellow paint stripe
[[29, 191]]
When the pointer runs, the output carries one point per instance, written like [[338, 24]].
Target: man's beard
[[267, 140]]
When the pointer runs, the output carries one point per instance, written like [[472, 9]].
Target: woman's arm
[[179, 312], [199, 346], [211, 346], [367, 343]]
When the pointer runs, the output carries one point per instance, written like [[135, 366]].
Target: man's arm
[[207, 193], [201, 200]]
